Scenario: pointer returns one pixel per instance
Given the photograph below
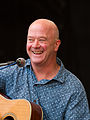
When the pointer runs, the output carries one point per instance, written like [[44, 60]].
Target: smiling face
[[42, 44]]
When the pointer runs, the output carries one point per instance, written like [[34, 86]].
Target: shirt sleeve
[[78, 108]]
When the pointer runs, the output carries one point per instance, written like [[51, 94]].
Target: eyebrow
[[38, 37], [29, 36]]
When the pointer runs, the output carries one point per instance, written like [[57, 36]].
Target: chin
[[36, 61]]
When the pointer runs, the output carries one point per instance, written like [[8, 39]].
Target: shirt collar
[[28, 63], [61, 75]]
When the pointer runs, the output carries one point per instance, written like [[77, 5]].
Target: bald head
[[50, 25]]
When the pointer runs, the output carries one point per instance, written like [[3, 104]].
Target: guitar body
[[19, 109]]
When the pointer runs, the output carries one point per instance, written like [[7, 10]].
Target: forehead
[[42, 28], [38, 28]]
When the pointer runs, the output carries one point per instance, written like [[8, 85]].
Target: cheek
[[28, 46], [44, 46]]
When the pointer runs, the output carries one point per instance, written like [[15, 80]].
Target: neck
[[46, 71]]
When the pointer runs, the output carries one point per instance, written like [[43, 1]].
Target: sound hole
[[8, 118]]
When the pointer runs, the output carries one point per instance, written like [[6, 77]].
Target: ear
[[57, 44]]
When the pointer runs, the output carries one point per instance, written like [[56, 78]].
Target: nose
[[36, 44]]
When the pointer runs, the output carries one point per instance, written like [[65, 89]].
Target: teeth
[[37, 52]]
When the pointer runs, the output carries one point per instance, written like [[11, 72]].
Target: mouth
[[37, 52]]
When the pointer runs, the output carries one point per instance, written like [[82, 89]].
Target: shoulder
[[68, 78], [13, 69], [73, 82]]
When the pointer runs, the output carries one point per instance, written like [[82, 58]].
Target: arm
[[78, 108]]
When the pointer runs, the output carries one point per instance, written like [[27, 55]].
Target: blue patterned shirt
[[62, 98]]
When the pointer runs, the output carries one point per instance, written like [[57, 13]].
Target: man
[[44, 79]]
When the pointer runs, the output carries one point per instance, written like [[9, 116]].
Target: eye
[[42, 40], [30, 40]]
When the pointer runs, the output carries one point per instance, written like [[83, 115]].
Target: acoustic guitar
[[19, 109]]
